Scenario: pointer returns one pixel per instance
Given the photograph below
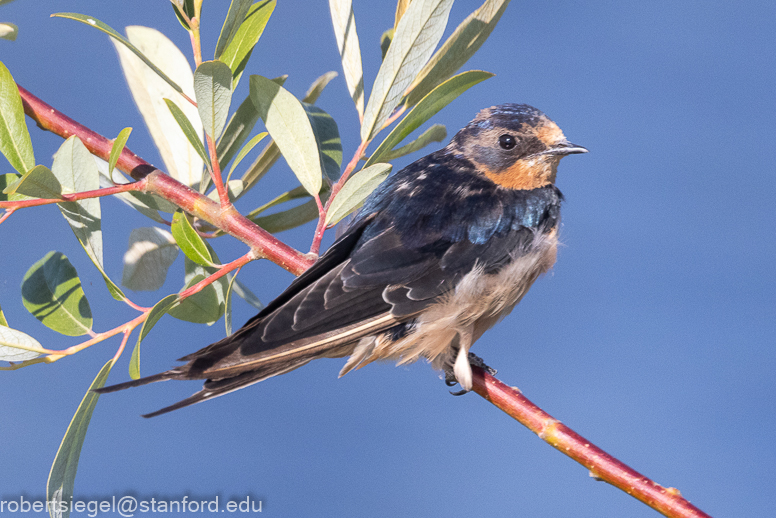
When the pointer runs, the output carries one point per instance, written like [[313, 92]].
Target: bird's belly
[[478, 302]]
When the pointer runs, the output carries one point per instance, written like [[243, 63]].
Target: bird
[[439, 253]]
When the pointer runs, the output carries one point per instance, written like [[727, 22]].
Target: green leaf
[[356, 190], [187, 6], [150, 253], [97, 24], [204, 307], [51, 291], [117, 148], [228, 306], [417, 34], [157, 312], [8, 31], [3, 321], [59, 489], [238, 52], [247, 295], [456, 51], [350, 51], [385, 41], [188, 130], [293, 194], [237, 130], [234, 18], [16, 346], [288, 219], [7, 180], [77, 171], [213, 89], [181, 160], [316, 88], [15, 143], [287, 122], [244, 151], [38, 182], [436, 133], [328, 139], [190, 242], [440, 97], [270, 154]]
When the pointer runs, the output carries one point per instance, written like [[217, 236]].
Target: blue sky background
[[653, 337]]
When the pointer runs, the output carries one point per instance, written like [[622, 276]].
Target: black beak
[[564, 148]]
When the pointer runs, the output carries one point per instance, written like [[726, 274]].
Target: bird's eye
[[507, 141]]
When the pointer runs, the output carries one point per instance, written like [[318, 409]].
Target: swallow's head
[[514, 145]]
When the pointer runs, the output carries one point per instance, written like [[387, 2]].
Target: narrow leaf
[[401, 8], [183, 7], [328, 139], [38, 182], [59, 489], [440, 97], [97, 24], [16, 346], [51, 291], [385, 42], [204, 307], [316, 88], [185, 125], [3, 321], [238, 128], [290, 128], [418, 33], [350, 51], [15, 143], [293, 194], [234, 18], [245, 150], [436, 133], [288, 219], [77, 171], [213, 89], [238, 52], [157, 312], [180, 159], [8, 31], [456, 51], [190, 242], [247, 295], [228, 306], [356, 190], [118, 147], [149, 255]]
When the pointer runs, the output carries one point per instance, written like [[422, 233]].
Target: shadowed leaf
[[206, 306], [8, 31], [328, 139], [149, 255], [349, 49], [38, 182], [436, 133], [51, 291], [157, 312], [213, 89]]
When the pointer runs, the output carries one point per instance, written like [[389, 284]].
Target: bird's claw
[[451, 381]]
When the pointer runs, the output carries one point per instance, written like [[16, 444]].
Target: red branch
[[603, 466], [226, 218]]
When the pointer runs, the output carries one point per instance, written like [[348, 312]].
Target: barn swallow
[[439, 253]]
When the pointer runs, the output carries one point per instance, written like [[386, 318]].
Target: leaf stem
[[602, 466], [237, 263], [6, 214], [320, 228]]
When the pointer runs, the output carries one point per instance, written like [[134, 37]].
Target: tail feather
[[162, 376]]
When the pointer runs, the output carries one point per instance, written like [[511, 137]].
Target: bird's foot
[[451, 380]]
